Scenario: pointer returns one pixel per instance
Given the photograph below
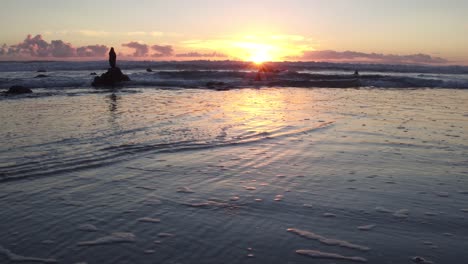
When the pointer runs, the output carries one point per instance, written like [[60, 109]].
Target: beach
[[248, 175]]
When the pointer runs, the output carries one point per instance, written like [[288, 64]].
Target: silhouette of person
[[112, 58]]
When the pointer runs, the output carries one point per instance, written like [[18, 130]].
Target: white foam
[[329, 215], [327, 241], [402, 213], [366, 227], [327, 255], [117, 237], [149, 220], [88, 228], [421, 260], [250, 188], [18, 258], [184, 190], [165, 235], [279, 197]]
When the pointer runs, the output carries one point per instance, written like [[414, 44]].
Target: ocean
[[197, 162]]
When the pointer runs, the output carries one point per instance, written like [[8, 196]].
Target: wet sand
[[241, 176]]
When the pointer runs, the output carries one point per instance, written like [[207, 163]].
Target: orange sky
[[244, 30]]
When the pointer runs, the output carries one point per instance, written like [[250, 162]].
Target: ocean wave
[[102, 154], [227, 79], [16, 66]]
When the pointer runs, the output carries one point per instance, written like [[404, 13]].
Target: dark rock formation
[[218, 86], [17, 89], [112, 58], [41, 70], [93, 73], [149, 70], [41, 76], [112, 77]]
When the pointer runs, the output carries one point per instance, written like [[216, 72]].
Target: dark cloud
[[331, 55], [92, 51], [141, 50], [162, 51], [58, 48], [3, 49], [33, 46], [37, 47], [201, 55]]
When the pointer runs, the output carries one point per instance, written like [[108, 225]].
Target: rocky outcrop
[[112, 77], [17, 89]]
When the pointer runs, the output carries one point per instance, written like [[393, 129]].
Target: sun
[[260, 56]]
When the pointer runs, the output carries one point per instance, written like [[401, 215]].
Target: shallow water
[[198, 176]]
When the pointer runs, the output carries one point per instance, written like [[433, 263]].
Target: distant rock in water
[[93, 73], [41, 70], [112, 77], [218, 86], [41, 76], [17, 89], [149, 70]]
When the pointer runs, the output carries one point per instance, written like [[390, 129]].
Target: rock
[[93, 73], [149, 70], [112, 77], [17, 89], [41, 76], [218, 86], [41, 70]]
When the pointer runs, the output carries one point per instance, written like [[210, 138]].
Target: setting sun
[[260, 56]]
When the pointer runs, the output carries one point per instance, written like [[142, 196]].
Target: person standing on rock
[[112, 57]]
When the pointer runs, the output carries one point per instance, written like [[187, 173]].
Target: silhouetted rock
[[93, 73], [112, 58], [41, 76], [17, 89], [149, 70], [218, 86], [41, 70], [112, 77]]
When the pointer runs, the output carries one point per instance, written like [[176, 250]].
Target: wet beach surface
[[283, 175]]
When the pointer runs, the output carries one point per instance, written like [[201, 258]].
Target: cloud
[[92, 51], [3, 49], [331, 55], [58, 48], [33, 46], [141, 50], [162, 51], [202, 55], [37, 47]]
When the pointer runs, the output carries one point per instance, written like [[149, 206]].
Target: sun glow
[[260, 56], [258, 52]]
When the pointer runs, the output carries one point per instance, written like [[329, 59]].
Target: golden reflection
[[255, 108]]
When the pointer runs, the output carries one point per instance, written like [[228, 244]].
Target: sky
[[411, 31]]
